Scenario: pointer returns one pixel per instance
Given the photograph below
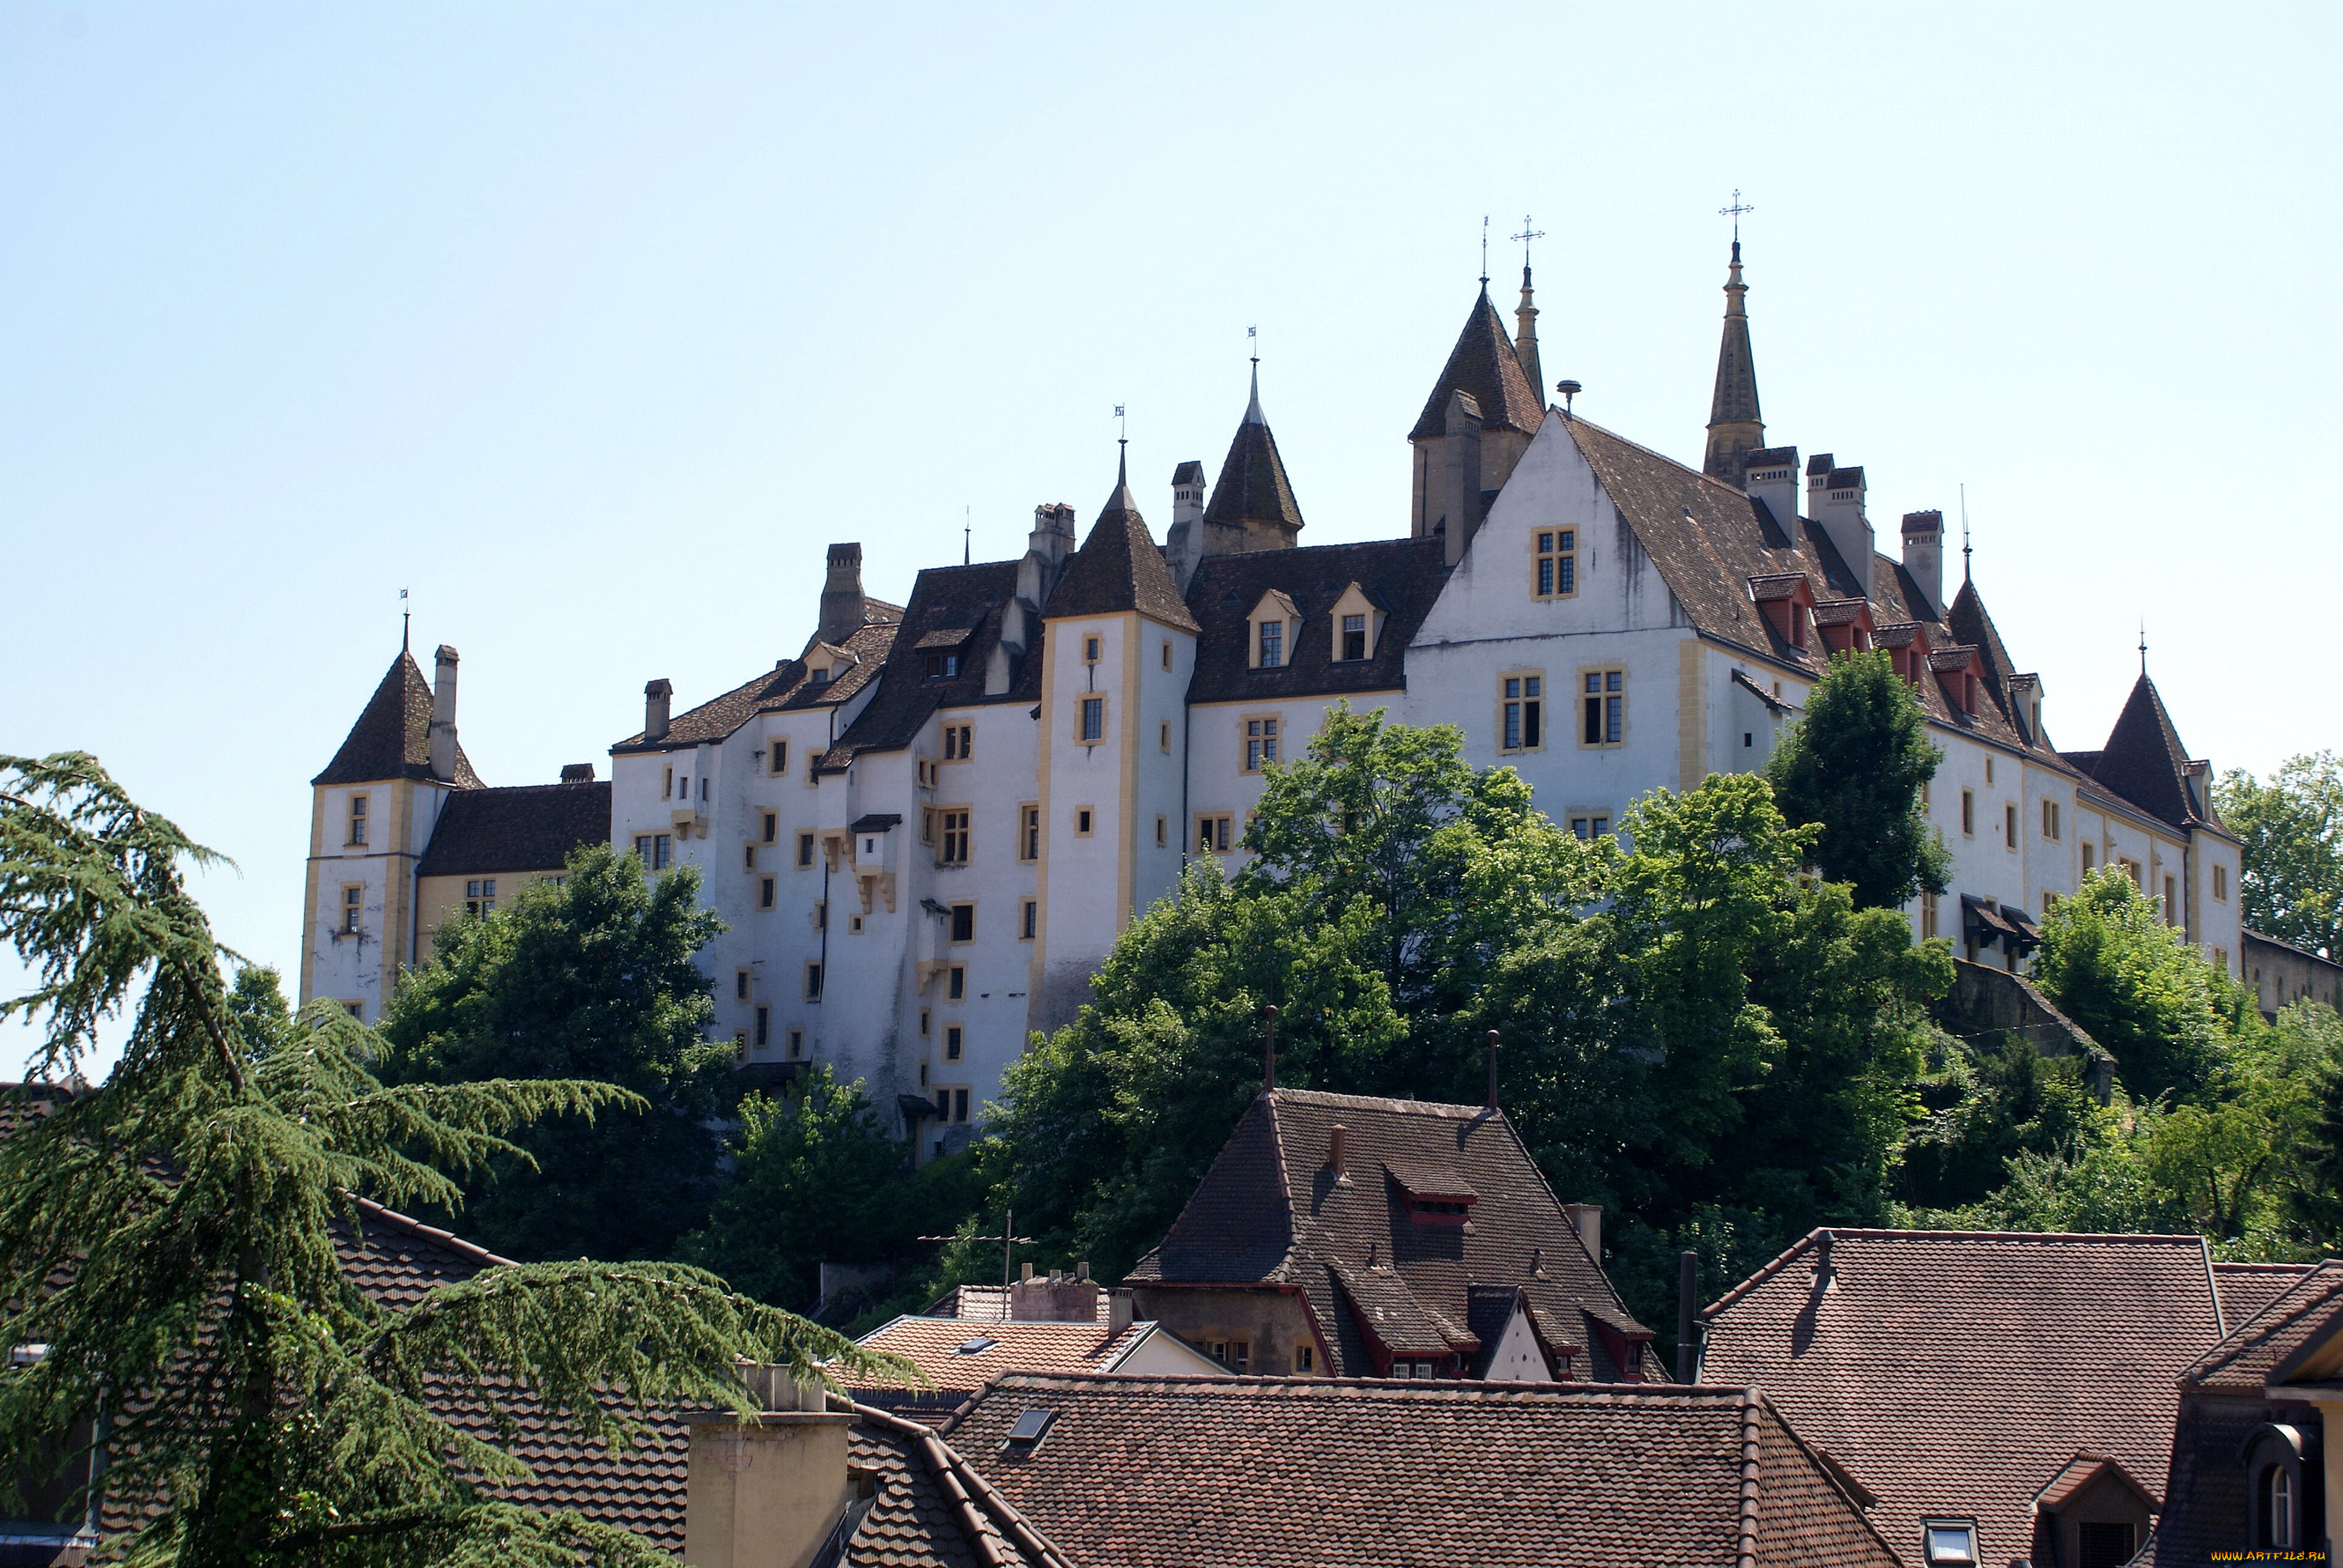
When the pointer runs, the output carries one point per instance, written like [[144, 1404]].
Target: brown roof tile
[[521, 827], [1120, 568], [933, 1509], [1327, 1473], [2145, 763], [1484, 366], [784, 686], [1401, 577], [957, 1355], [1958, 1372], [392, 739], [953, 609]]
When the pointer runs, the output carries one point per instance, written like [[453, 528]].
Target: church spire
[[1736, 429], [1253, 505], [1525, 347]]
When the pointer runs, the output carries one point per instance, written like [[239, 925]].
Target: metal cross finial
[[1528, 234], [1734, 212], [1964, 533], [1485, 249], [1122, 424], [967, 534]]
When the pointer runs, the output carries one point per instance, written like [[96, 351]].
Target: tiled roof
[[1958, 1372], [964, 603], [1403, 576], [1119, 568], [936, 1346], [1252, 486], [392, 739], [1270, 1211], [1484, 366], [1325, 1474], [784, 686], [521, 827], [2145, 763], [934, 1510], [2258, 1348], [2247, 1288]]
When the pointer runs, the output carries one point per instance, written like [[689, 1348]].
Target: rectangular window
[[767, 890], [796, 1044], [772, 828], [2221, 959], [2009, 825], [1603, 700], [1261, 743], [1592, 827], [1163, 738], [1305, 1358], [353, 906], [963, 922], [357, 821], [2130, 867], [953, 1039], [956, 983], [1162, 831], [954, 850], [1988, 770], [1081, 821], [1089, 650], [960, 742], [777, 757], [480, 897], [667, 783], [1521, 724], [2090, 855], [1028, 920], [1968, 812], [805, 848], [1927, 916], [1354, 636], [1091, 721], [1167, 653], [657, 849], [764, 1027], [2051, 823], [923, 1023], [748, 857], [2221, 882], [1212, 834], [821, 917], [1556, 572], [1273, 644], [943, 666], [2171, 901], [813, 982], [959, 1105], [1028, 832], [740, 985]]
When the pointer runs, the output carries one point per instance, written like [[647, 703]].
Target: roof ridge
[[1303, 1387], [1284, 1188], [2266, 1323], [1832, 1471], [1381, 1102], [413, 1227], [1783, 1259]]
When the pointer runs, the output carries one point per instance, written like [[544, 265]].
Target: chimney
[[1923, 555], [1056, 1299], [443, 716], [656, 697], [1834, 501], [578, 773], [1459, 480], [1587, 1219], [1338, 1146], [1183, 545], [1770, 474], [1687, 1296], [1046, 549], [1491, 1104], [1120, 1313], [767, 1493], [843, 607]]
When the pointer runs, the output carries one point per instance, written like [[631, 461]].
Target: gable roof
[[2143, 762], [521, 827], [2248, 1288], [1252, 486], [786, 686], [1310, 1473], [2259, 1350], [1484, 366], [958, 1356], [392, 737], [1271, 1210], [1958, 1372], [953, 609], [1119, 568], [1401, 577], [933, 1510]]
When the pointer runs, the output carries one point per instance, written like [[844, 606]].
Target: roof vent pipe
[[1269, 1048], [1687, 1293], [1490, 1105], [656, 698], [1338, 1145]]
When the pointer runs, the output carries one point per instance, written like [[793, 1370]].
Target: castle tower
[[1735, 427], [1525, 343], [1476, 425], [1253, 505], [371, 813]]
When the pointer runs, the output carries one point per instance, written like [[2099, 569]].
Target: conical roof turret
[[1736, 429], [1485, 368], [392, 737], [1120, 568], [1252, 494]]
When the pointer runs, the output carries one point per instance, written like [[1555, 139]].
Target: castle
[[927, 827]]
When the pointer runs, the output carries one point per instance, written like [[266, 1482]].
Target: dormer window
[[943, 666], [1354, 621], [1272, 645], [1949, 1542], [1354, 636], [818, 675], [1273, 623], [1433, 1196]]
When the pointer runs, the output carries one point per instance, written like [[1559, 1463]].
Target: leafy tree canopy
[[172, 1236], [589, 977], [2291, 885], [1855, 766], [2113, 965]]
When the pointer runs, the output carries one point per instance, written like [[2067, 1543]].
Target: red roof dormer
[[1433, 1196], [1906, 642], [1787, 601], [1845, 624], [1963, 674]]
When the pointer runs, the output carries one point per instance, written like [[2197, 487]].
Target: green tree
[[591, 977], [2113, 965], [171, 1236], [1989, 1106], [1854, 767], [815, 1178], [2291, 880]]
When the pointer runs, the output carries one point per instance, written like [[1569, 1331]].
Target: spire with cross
[[1528, 234], [1525, 342], [1734, 212]]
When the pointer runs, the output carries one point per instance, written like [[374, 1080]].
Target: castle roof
[[1252, 486], [1273, 1210], [1484, 366], [954, 610], [392, 739], [521, 828], [786, 686], [1401, 578], [2144, 762], [1118, 569]]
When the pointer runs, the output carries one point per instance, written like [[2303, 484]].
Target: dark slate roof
[[1119, 568], [966, 603], [1709, 540], [1958, 1372], [1270, 1211], [1252, 486], [1403, 576], [522, 828], [1311, 1473], [784, 687], [1484, 366], [2145, 763], [392, 739]]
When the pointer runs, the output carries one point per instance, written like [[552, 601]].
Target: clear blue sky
[[593, 324]]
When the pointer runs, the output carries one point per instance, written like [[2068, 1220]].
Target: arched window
[[2274, 1506]]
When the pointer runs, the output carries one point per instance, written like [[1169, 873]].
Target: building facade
[[926, 828]]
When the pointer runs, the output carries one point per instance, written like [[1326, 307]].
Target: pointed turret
[[1525, 343], [1735, 427], [1457, 471], [1119, 568], [392, 738], [2145, 762], [1253, 505]]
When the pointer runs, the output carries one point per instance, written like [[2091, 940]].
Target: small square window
[[1212, 833], [655, 850], [1089, 650], [1591, 826], [943, 666], [1949, 1542], [1081, 821]]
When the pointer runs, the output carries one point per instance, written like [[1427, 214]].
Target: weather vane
[[1734, 212], [1528, 234], [1253, 341], [406, 619], [1485, 248]]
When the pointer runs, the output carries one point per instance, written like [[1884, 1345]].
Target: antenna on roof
[[1493, 1072], [1269, 1048], [1964, 533], [966, 534], [406, 619], [1484, 250]]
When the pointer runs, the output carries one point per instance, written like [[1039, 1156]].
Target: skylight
[[1026, 1435], [975, 1347], [1951, 1542]]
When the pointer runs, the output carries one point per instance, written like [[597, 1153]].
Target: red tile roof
[[1321, 1474], [958, 1356], [2247, 1288], [1959, 1372], [933, 1510], [2258, 1349]]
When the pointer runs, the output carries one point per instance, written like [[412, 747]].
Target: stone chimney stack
[[1770, 474], [767, 1493], [1923, 555], [843, 607], [1046, 549], [1459, 480], [578, 773], [656, 698], [1834, 501], [443, 716], [1587, 1219], [1184, 546]]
